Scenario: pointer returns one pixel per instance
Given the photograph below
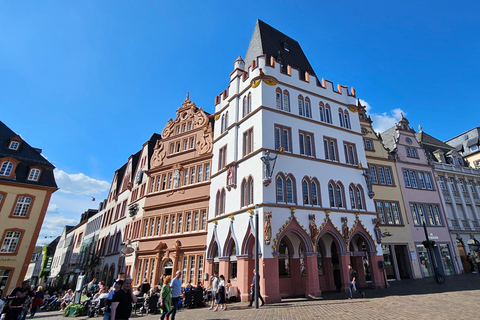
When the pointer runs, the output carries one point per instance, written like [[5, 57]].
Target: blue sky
[[90, 81]]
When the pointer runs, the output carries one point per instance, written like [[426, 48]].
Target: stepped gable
[[268, 41], [28, 157]]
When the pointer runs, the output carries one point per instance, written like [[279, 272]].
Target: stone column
[[243, 276], [378, 276], [313, 286], [269, 281], [344, 261]]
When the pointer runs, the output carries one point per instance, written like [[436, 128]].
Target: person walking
[[37, 301], [353, 282], [18, 296], [176, 286], [221, 294], [256, 277], [117, 285], [215, 281], [122, 301], [166, 297]]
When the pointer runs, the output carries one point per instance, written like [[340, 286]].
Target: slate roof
[[28, 157], [464, 141], [267, 40], [389, 137]]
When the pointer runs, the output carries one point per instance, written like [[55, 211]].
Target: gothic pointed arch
[[213, 245], [248, 241], [292, 226], [230, 240], [327, 227], [359, 229]]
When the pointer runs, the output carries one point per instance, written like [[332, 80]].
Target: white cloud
[[52, 207], [79, 183], [385, 120]]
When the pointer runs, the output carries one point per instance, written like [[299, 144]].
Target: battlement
[[264, 65]]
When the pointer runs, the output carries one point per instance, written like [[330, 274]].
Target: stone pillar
[[223, 267], [209, 268], [344, 261], [243, 276], [378, 276], [328, 274], [269, 281], [313, 286], [357, 263]]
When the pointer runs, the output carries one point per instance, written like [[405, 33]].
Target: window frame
[[284, 131], [305, 145], [328, 144], [17, 245], [29, 208], [247, 142]]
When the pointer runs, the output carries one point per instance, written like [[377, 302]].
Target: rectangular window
[[248, 142], [207, 172], [164, 182], [415, 214], [152, 184], [165, 225], [158, 183], [185, 144], [145, 228], [192, 143], [185, 177], [204, 220], [306, 143], [170, 177], [413, 179], [34, 174], [373, 172], [172, 224], [200, 269], [428, 181], [388, 175], [179, 223], [159, 222], [10, 242], [192, 175], [195, 221], [199, 173], [407, 178], [380, 211], [350, 153], [222, 157], [184, 269], [381, 174], [192, 269], [368, 144], [283, 138], [152, 226], [189, 222], [421, 179], [22, 206], [331, 150]]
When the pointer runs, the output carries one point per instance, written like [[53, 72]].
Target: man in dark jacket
[[256, 277], [18, 297], [122, 301]]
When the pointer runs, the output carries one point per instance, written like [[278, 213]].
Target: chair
[[198, 298], [188, 302]]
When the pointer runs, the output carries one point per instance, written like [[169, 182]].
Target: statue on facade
[[267, 168], [267, 227], [377, 231], [313, 226], [345, 230], [369, 181], [176, 178]]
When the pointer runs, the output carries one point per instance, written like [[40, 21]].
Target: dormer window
[[6, 168], [34, 174], [14, 145]]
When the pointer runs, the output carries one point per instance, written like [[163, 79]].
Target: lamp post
[[257, 278], [439, 277]]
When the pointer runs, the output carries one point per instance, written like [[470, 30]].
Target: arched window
[[340, 117], [328, 114], [245, 106], [331, 195], [322, 111], [225, 125], [352, 197], [222, 125], [222, 200], [249, 109], [315, 193], [339, 196], [301, 107], [290, 190], [347, 120], [308, 109], [6, 168], [283, 259], [305, 192], [244, 193], [250, 190], [217, 203], [278, 96], [280, 189], [360, 198], [286, 101]]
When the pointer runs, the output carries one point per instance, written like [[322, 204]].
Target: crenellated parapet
[[264, 65]]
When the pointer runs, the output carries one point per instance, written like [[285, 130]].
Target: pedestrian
[[176, 286], [221, 294], [353, 282], [166, 297], [214, 287], [37, 300], [18, 296], [256, 277], [117, 285], [122, 301], [144, 287]]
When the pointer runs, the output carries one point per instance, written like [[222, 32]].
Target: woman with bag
[[166, 297], [221, 294]]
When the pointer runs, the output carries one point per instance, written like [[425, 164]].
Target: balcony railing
[[466, 224], [455, 224]]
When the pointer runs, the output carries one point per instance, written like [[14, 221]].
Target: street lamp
[[428, 244]]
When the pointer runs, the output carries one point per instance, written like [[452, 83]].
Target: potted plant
[[74, 310]]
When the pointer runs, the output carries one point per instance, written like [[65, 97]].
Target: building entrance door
[[337, 277], [463, 256], [167, 267], [402, 262]]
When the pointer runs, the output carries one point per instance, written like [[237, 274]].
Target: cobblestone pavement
[[408, 299]]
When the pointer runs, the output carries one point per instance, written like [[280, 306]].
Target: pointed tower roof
[[267, 40]]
